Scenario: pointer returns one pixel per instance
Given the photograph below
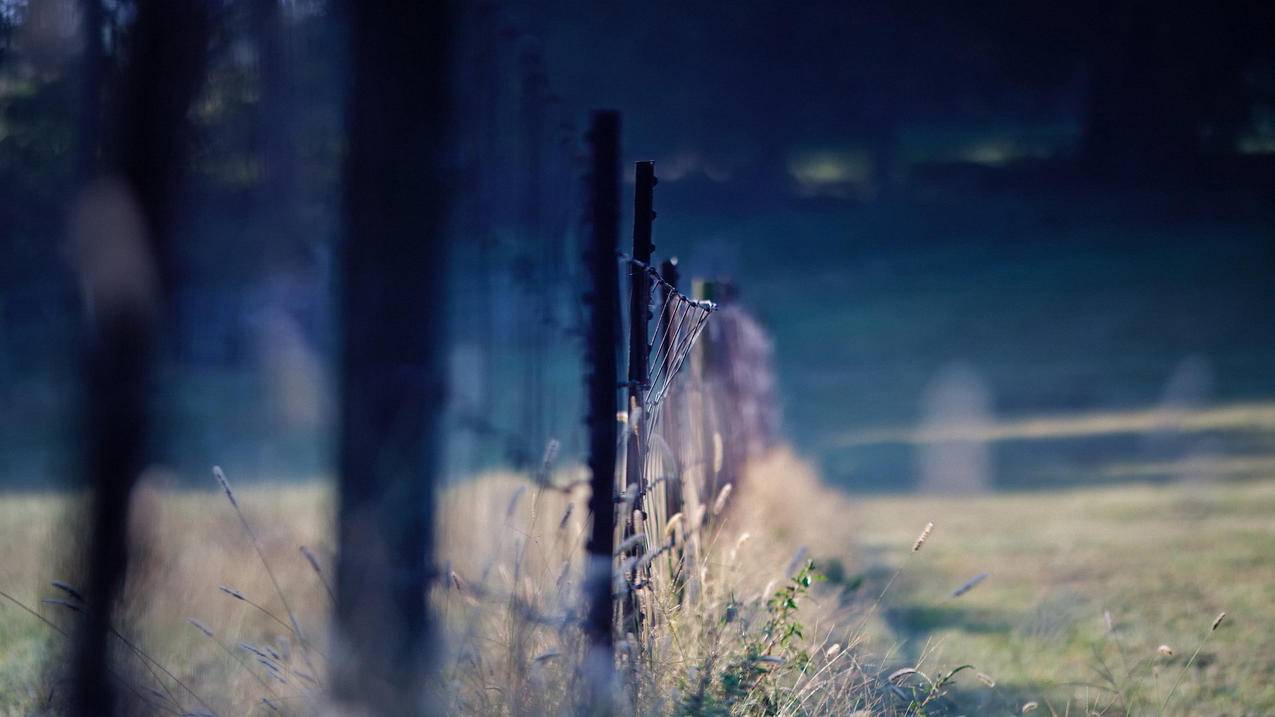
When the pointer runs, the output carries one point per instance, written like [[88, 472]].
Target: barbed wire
[[679, 322], [655, 274]]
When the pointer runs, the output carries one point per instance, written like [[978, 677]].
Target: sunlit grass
[[1161, 561]]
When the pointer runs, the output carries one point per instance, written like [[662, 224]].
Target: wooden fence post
[[125, 269], [603, 377], [639, 324], [393, 370]]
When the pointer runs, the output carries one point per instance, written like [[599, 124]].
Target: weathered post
[[639, 323], [602, 359], [393, 369], [123, 229]]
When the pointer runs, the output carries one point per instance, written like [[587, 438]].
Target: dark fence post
[[603, 377], [639, 324], [122, 234], [393, 369]]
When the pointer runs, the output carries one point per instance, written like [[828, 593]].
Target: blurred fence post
[[603, 377], [674, 403], [393, 367], [672, 428], [122, 232], [708, 290], [639, 325]]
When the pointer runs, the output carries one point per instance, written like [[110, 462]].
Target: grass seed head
[[225, 485], [924, 536], [969, 585], [721, 499], [672, 524], [66, 588], [311, 558], [547, 460], [62, 603]]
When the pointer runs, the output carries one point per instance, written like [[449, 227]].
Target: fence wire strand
[[679, 322]]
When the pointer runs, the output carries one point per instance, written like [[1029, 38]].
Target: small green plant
[[769, 658]]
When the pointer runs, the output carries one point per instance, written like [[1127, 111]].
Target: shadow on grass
[[1051, 621], [913, 619], [968, 695]]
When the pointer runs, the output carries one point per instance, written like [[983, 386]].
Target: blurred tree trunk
[[393, 369], [122, 229]]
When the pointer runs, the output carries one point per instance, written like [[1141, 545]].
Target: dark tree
[[123, 228], [393, 367]]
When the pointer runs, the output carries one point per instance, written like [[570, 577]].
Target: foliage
[[766, 658]]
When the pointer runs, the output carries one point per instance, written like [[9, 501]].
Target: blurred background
[[997, 245], [1017, 251]]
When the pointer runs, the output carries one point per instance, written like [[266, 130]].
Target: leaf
[[948, 677], [898, 675]]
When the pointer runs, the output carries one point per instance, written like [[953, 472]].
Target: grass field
[[1161, 561], [1083, 586]]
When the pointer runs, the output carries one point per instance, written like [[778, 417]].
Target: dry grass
[[196, 545], [1164, 562]]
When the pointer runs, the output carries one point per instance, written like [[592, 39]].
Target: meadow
[[1095, 600]]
